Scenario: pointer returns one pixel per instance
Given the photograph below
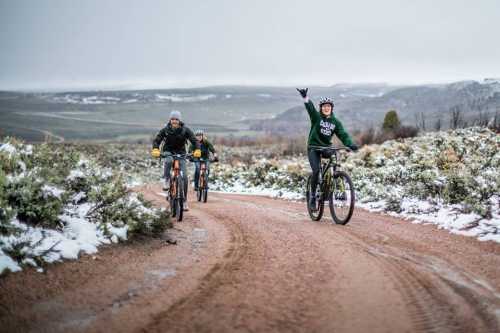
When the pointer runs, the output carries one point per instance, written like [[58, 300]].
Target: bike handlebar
[[178, 156], [331, 148], [200, 159]]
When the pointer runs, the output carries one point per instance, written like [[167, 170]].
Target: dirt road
[[254, 264]]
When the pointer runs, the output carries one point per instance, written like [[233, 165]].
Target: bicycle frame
[[175, 171], [325, 167], [203, 170], [332, 188]]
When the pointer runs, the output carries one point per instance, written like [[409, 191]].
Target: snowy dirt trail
[[254, 264]]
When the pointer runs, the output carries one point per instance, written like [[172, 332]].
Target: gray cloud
[[66, 44]]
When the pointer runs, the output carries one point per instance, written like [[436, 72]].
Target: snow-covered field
[[179, 98], [450, 179], [56, 203], [75, 98]]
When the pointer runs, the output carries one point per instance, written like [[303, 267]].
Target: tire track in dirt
[[294, 283], [435, 301], [440, 297]]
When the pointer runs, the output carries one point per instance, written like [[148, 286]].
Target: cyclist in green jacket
[[323, 126], [206, 148]]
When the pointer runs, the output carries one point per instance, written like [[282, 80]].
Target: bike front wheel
[[315, 213], [172, 201], [205, 194], [342, 198], [179, 204]]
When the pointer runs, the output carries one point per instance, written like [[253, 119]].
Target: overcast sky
[[184, 43]]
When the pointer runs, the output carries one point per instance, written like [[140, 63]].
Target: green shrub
[[391, 121], [32, 205]]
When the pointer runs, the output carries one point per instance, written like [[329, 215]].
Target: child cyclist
[[323, 126], [206, 148]]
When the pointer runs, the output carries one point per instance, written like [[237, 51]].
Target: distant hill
[[472, 99], [137, 114]]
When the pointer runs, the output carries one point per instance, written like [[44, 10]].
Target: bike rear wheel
[[317, 213], [201, 185], [205, 189], [342, 198]]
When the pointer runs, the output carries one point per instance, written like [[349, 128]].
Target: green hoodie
[[323, 128]]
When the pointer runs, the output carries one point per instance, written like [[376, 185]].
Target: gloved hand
[[303, 92], [197, 153], [354, 147], [155, 152]]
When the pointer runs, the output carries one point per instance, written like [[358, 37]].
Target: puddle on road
[[199, 235], [77, 322], [162, 274], [62, 318], [152, 279]]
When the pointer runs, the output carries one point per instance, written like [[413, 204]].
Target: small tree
[[456, 118], [391, 121], [438, 124]]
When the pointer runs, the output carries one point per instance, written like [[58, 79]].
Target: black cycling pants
[[315, 162]]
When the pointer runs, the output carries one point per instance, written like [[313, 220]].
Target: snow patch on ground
[[77, 236], [448, 217], [6, 263], [8, 148], [241, 188], [52, 191]]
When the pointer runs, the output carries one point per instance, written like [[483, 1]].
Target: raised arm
[[311, 110]]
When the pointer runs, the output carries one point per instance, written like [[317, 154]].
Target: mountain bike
[[176, 195], [202, 193], [334, 186]]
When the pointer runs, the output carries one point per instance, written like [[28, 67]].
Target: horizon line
[[142, 86]]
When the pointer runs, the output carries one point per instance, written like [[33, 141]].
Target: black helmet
[[325, 100]]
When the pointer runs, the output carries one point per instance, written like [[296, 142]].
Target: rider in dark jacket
[[174, 137], [206, 148]]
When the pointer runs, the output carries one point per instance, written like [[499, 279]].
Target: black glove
[[353, 147], [303, 92]]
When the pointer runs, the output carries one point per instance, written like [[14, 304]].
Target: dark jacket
[[206, 148], [174, 139]]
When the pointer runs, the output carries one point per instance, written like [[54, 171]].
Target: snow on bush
[[448, 178], [451, 179], [55, 204]]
